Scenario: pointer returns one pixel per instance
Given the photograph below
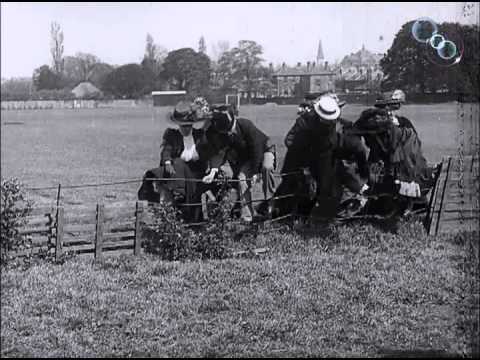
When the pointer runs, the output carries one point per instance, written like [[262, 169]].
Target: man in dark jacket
[[246, 148], [316, 142]]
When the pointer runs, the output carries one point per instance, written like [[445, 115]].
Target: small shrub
[[169, 237], [14, 209], [166, 236], [212, 239]]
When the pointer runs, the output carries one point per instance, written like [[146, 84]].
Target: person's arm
[[296, 135], [356, 147], [257, 142], [167, 146], [214, 149], [404, 122]]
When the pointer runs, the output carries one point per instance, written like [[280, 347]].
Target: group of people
[[326, 155], [204, 142]]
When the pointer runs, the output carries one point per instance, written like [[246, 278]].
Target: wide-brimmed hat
[[327, 108], [186, 114]]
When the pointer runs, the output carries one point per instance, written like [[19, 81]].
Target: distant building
[[168, 98], [302, 79], [85, 90], [359, 71]]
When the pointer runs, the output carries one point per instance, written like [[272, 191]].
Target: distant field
[[47, 147]]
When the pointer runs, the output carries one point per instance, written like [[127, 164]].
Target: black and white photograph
[[240, 179]]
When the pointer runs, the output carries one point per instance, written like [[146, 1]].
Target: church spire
[[320, 56]]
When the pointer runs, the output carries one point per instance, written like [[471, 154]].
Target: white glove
[[411, 189], [268, 160], [209, 178], [255, 179], [364, 188]]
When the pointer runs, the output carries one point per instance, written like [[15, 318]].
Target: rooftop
[[362, 56], [300, 70]]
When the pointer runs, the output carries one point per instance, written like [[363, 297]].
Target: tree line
[[241, 68]]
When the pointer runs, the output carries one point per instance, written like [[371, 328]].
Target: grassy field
[[357, 291], [47, 147]]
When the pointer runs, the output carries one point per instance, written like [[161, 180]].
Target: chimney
[[326, 65], [308, 65], [283, 66], [299, 64], [313, 65]]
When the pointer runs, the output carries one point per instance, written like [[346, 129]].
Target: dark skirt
[[178, 190]]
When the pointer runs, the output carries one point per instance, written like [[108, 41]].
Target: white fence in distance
[[72, 104]]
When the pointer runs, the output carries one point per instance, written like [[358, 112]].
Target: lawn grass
[[356, 291]]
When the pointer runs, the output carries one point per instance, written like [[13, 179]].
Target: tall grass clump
[[14, 211]]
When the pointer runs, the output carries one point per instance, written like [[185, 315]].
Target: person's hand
[[169, 169], [268, 160], [255, 179], [364, 188], [209, 178]]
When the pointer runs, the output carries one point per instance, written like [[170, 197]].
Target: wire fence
[[132, 181], [298, 195]]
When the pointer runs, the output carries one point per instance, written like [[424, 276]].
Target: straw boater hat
[[327, 108], [186, 113]]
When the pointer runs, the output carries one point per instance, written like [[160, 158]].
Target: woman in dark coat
[[183, 156]]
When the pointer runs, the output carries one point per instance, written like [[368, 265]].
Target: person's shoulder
[[247, 124], [302, 121], [344, 122], [405, 121], [170, 132], [371, 112], [198, 132], [244, 121]]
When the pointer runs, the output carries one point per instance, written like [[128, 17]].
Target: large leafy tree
[[127, 81], [45, 78], [415, 67], [185, 69], [99, 74], [78, 69], [241, 66], [87, 63]]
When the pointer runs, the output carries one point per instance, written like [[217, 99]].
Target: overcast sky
[[288, 32]]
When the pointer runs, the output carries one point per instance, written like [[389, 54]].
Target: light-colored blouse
[[189, 152]]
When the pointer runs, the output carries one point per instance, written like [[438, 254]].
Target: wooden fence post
[[441, 208], [59, 236], [99, 232], [138, 230]]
